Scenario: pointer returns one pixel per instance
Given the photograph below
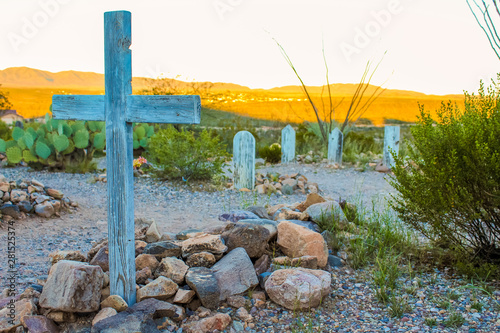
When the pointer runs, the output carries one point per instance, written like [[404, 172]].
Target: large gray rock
[[237, 215], [163, 249], [40, 324], [139, 318], [253, 238], [44, 209], [11, 210], [298, 288], [270, 225], [260, 211], [204, 283], [235, 273], [326, 211], [73, 287]]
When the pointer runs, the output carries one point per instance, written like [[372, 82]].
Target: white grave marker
[[287, 144], [335, 146], [244, 160], [391, 143]]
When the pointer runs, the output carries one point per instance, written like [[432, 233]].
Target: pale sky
[[433, 46]]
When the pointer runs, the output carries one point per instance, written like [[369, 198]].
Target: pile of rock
[[25, 197], [284, 184], [311, 158], [197, 280]]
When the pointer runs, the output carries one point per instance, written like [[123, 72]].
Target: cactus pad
[[14, 155]]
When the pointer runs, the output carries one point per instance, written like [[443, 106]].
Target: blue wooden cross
[[119, 109]]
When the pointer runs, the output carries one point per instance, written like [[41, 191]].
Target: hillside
[[31, 90]]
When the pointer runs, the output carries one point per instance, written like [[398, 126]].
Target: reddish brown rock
[[217, 322], [162, 289], [297, 241], [312, 198]]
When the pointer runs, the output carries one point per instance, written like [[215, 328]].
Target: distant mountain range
[[25, 77]]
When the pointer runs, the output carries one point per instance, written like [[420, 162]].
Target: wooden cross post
[[120, 109]]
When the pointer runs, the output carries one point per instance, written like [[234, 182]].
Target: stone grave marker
[[391, 144], [335, 146], [287, 144], [120, 109], [244, 160]]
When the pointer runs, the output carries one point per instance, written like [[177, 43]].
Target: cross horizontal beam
[[169, 109]]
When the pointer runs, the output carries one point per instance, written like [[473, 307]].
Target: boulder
[[189, 233], [56, 194], [152, 234], [73, 287], [270, 225], [327, 211], [235, 273], [262, 264], [40, 324], [202, 259], [184, 296], [217, 322], [67, 255], [146, 260], [44, 209], [260, 211], [103, 314], [25, 206], [11, 210], [163, 249], [312, 198], [307, 224], [162, 289], [142, 276], [22, 308], [172, 268], [286, 213], [253, 238], [203, 243], [205, 284], [18, 196], [101, 259], [116, 302], [297, 241], [298, 288], [235, 216]]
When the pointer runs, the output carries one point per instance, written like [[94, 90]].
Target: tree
[[484, 15], [4, 101], [357, 106]]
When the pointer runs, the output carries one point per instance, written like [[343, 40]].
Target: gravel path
[[352, 306]]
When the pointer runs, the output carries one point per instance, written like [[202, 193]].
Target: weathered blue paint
[[244, 160], [120, 109], [391, 144], [170, 109], [287, 144], [335, 146]]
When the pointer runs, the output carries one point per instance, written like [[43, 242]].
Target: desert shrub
[[449, 184], [179, 154], [272, 153], [5, 131]]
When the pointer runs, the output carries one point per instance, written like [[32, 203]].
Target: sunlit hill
[[30, 91]]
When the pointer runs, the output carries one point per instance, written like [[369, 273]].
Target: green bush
[[449, 184], [5, 131], [179, 154], [272, 153]]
